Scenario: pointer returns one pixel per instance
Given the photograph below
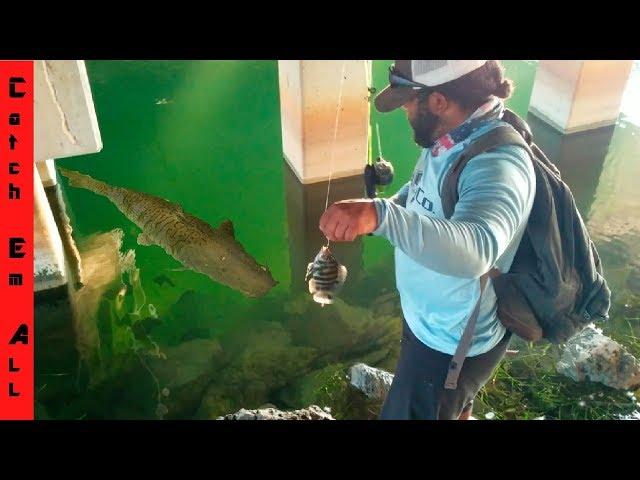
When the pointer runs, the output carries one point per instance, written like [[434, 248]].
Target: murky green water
[[207, 135]]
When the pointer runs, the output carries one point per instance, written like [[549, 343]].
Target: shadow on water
[[579, 156]]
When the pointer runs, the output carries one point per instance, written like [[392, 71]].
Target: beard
[[424, 126]]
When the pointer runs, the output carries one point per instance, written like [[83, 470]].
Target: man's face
[[423, 122]]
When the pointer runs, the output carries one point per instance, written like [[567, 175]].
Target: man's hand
[[344, 221]]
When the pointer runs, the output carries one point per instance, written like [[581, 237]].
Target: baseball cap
[[409, 76]]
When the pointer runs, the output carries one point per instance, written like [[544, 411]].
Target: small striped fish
[[325, 276]]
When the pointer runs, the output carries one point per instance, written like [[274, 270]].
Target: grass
[[528, 387]]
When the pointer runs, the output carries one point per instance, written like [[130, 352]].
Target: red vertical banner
[[16, 240]]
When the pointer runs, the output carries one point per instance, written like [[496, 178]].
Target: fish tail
[[77, 179], [323, 298]]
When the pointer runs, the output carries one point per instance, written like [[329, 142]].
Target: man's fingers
[[341, 227], [324, 221], [350, 234], [324, 218], [331, 222], [341, 221]]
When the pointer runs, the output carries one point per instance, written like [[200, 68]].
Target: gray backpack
[[555, 286]]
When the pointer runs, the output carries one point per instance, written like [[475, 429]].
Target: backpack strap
[[455, 365], [501, 135]]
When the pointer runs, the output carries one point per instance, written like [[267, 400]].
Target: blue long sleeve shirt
[[438, 260]]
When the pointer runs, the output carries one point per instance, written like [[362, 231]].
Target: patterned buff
[[489, 111]]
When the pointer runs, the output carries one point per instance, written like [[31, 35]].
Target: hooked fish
[[194, 243], [325, 276]]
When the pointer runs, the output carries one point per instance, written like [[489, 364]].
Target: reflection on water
[[305, 205], [144, 339]]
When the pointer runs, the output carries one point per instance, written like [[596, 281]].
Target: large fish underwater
[[194, 243]]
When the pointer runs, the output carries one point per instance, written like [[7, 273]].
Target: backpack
[[555, 285]]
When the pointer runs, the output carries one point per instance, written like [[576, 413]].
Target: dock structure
[[65, 125]]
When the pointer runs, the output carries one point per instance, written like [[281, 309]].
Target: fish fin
[[177, 208], [342, 274], [309, 272], [227, 227], [143, 239], [323, 298]]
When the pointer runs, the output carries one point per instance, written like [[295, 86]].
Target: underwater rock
[[193, 315], [325, 385], [374, 383], [387, 304], [596, 357], [341, 329], [261, 358], [313, 412], [186, 362]]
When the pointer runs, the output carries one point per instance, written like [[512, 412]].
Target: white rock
[[373, 382], [590, 355], [635, 415], [312, 413]]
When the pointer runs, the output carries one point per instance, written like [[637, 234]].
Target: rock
[[387, 305], [324, 386], [186, 362], [374, 383], [635, 415], [341, 332], [260, 360], [311, 413], [330, 386], [596, 357]]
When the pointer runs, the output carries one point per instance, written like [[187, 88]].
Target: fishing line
[[335, 135], [379, 146]]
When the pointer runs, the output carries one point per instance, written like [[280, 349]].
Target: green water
[[207, 135]]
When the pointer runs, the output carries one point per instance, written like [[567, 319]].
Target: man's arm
[[493, 192], [400, 197]]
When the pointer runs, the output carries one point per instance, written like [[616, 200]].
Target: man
[[439, 261]]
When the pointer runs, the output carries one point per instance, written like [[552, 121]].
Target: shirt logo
[[419, 195]]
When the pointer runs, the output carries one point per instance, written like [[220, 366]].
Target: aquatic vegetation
[[109, 314], [528, 387]]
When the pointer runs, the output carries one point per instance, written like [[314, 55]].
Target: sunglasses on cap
[[396, 80]]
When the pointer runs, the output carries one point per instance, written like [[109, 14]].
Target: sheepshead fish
[[325, 276], [194, 243]]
